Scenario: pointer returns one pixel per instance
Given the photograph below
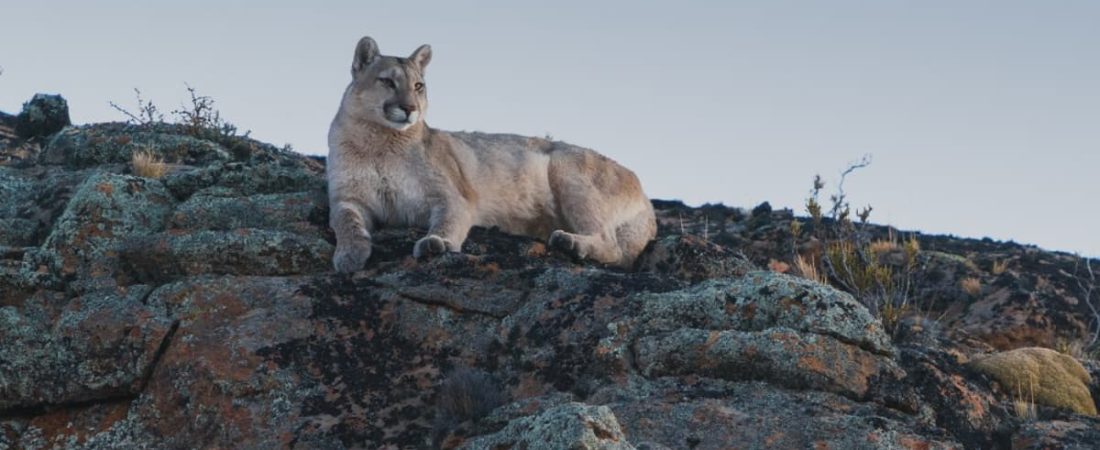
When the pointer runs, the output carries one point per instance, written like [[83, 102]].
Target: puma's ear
[[422, 56], [366, 52]]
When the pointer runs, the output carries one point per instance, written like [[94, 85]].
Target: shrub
[[1054, 379], [849, 260], [971, 285]]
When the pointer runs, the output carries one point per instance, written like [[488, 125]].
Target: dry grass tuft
[[971, 285], [883, 246], [808, 270], [148, 165], [1023, 403], [1000, 267]]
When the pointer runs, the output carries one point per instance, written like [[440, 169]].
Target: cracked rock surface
[[200, 310]]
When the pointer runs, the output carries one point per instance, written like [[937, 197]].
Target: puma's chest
[[393, 191]]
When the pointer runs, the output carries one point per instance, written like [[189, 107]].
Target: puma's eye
[[419, 87], [388, 82]]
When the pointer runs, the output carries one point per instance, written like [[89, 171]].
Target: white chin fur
[[398, 121]]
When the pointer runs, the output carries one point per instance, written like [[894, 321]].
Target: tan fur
[[387, 167]]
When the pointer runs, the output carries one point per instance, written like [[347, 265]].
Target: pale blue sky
[[983, 116]]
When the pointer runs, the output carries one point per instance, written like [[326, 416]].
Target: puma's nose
[[408, 108]]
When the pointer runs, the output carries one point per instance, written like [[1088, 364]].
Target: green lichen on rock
[[786, 357], [248, 178], [101, 345], [106, 210], [569, 426], [246, 251], [222, 209], [761, 300], [92, 145], [1048, 377]]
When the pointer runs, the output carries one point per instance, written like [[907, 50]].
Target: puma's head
[[388, 90]]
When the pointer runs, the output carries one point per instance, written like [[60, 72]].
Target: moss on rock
[[1051, 378]]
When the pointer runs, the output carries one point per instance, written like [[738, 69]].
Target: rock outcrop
[[200, 310]]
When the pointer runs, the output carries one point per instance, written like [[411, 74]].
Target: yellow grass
[[1023, 404], [972, 286], [148, 165], [883, 246], [808, 270]]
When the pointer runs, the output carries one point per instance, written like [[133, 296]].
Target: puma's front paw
[[430, 245], [351, 256], [566, 243]]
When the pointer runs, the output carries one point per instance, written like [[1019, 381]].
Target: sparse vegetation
[[199, 118], [999, 266], [147, 164], [879, 273], [147, 113], [1086, 286], [882, 246]]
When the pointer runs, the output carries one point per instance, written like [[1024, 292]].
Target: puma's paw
[[430, 245], [566, 243], [350, 257]]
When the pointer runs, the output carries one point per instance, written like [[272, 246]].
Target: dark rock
[[1057, 434], [691, 259], [245, 251], [43, 115], [100, 346], [762, 209]]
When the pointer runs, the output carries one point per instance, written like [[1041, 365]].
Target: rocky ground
[[199, 310]]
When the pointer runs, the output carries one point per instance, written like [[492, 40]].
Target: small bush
[[147, 164], [147, 113], [878, 273], [971, 285], [1054, 379]]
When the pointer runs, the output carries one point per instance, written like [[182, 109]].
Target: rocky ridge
[[200, 310]]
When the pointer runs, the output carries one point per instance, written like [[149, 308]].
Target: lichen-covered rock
[[1057, 434], [761, 300], [957, 402], [92, 145], [245, 251], [281, 175], [692, 259], [708, 414], [223, 210], [17, 232], [785, 357], [101, 345], [573, 426], [1051, 378], [43, 115], [106, 211]]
